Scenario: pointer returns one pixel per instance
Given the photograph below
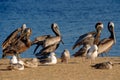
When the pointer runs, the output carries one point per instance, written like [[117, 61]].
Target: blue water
[[74, 17]]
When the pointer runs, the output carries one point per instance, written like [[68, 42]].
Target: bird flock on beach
[[89, 44]]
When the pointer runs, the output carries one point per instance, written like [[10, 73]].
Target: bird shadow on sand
[[69, 63], [45, 65], [4, 70], [3, 64]]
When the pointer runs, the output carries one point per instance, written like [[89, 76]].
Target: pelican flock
[[89, 43]]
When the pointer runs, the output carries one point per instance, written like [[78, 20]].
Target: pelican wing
[[49, 49], [105, 45], [52, 41], [40, 39], [87, 38], [11, 38]]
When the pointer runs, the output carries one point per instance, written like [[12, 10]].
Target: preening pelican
[[48, 42], [14, 36], [87, 40], [17, 42], [106, 44], [65, 56]]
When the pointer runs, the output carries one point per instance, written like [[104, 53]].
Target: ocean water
[[74, 17]]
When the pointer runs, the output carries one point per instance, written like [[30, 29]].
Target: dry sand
[[76, 69]]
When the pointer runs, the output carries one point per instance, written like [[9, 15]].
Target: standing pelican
[[20, 44], [48, 42], [65, 56], [105, 45], [87, 40]]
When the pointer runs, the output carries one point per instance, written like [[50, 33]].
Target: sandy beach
[[76, 69]]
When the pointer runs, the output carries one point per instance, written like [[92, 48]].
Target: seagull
[[13, 60], [65, 56], [104, 65], [50, 60], [92, 52], [16, 64]]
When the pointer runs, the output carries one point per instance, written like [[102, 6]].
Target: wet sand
[[76, 69]]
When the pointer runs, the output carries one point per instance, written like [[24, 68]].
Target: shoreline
[[76, 69]]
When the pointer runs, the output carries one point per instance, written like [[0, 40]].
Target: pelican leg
[[107, 54], [36, 49], [4, 56], [18, 56]]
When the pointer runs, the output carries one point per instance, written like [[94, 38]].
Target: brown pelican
[[105, 45], [20, 44], [104, 65], [87, 40], [48, 42], [14, 36], [65, 56]]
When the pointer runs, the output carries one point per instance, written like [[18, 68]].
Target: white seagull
[[16, 64], [51, 59], [65, 56], [92, 52]]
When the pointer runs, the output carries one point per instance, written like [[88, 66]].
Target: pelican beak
[[114, 37], [62, 41]]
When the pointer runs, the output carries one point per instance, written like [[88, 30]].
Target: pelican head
[[111, 29], [99, 26], [24, 27], [110, 26], [28, 31], [55, 29]]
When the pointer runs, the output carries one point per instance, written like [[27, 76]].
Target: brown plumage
[[49, 43], [21, 43], [106, 44], [87, 40]]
